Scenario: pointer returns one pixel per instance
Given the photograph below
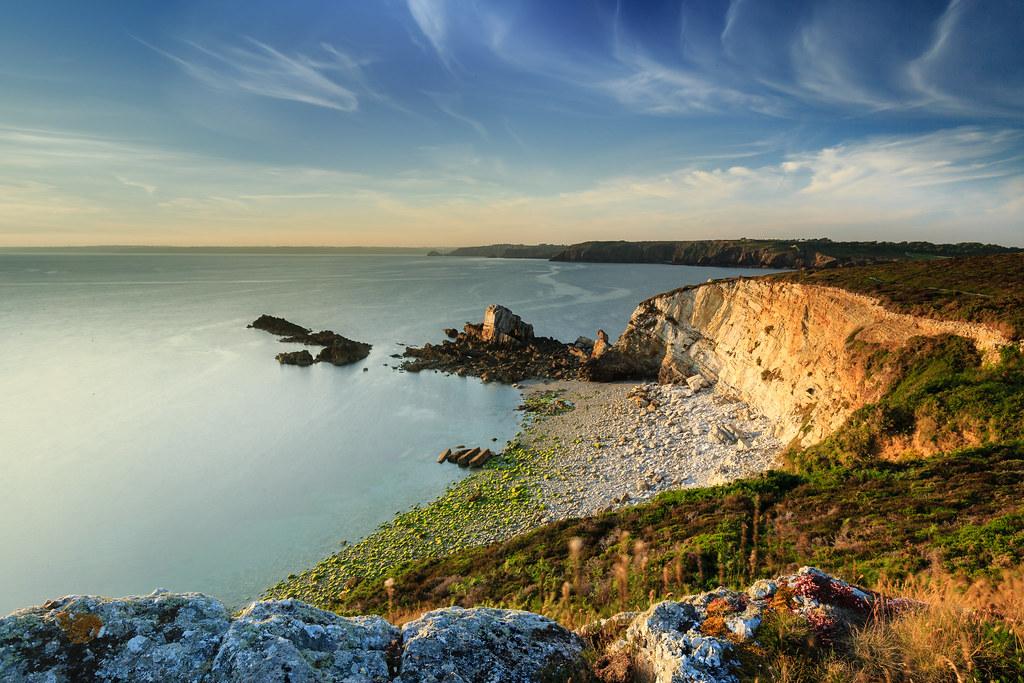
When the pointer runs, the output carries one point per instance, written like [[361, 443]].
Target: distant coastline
[[759, 253]]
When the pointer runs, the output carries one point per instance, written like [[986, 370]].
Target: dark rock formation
[[338, 350], [343, 351], [302, 358], [503, 348], [278, 326]]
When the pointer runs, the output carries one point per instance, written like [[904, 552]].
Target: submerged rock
[[465, 645]]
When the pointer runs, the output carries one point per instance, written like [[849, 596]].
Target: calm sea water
[[147, 438]]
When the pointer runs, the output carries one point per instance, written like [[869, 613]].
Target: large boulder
[[159, 637], [694, 639], [502, 326], [456, 645], [343, 351], [290, 641]]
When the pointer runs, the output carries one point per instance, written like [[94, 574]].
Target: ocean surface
[[149, 439]]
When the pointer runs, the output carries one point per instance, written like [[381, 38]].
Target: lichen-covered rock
[[288, 640], [694, 640], [484, 645], [159, 637], [669, 646]]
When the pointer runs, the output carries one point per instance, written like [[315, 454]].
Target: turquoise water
[[148, 439]]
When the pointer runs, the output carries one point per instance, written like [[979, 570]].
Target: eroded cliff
[[797, 353]]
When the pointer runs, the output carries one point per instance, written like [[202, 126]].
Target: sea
[[149, 439]]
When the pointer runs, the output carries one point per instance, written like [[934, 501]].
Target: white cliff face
[[787, 349]]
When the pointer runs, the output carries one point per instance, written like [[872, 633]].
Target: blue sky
[[445, 122]]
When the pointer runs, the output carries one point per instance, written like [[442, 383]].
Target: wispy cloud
[[145, 187], [448, 103], [256, 68], [432, 20], [943, 186]]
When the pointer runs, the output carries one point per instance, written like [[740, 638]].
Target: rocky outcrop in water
[[278, 326], [169, 637], [502, 348], [338, 350], [502, 326]]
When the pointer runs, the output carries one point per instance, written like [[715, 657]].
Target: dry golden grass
[[943, 630]]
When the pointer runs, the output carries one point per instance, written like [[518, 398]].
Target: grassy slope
[[987, 289], [842, 509]]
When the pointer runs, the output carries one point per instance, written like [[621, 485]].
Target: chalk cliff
[[795, 352]]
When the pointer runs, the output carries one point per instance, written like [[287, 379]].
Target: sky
[[459, 122]]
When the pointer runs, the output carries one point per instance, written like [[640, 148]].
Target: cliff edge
[[798, 353]]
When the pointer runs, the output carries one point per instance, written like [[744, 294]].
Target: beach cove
[[230, 471]]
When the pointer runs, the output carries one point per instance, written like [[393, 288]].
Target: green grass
[[494, 502], [944, 398], [982, 289], [841, 507], [892, 519]]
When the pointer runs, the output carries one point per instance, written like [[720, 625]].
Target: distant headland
[[756, 253]]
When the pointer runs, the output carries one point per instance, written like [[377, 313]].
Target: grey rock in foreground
[[458, 645], [159, 637], [288, 640], [694, 640], [190, 637]]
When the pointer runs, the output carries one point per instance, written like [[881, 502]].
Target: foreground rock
[[502, 348], [189, 637], [700, 638], [288, 640], [338, 350], [159, 637], [496, 645]]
